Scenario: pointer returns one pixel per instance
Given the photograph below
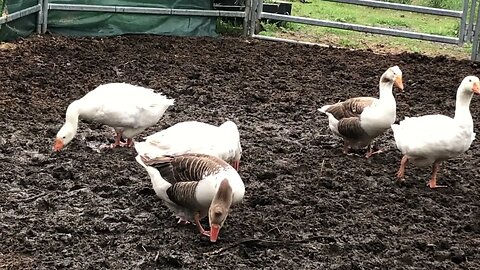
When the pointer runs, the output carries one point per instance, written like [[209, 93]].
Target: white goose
[[195, 137], [360, 120], [129, 109], [194, 186], [431, 139]]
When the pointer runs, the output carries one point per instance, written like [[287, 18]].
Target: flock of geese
[[193, 166]]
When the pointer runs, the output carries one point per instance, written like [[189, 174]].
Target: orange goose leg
[[200, 228], [118, 136], [433, 181], [371, 152], [182, 221], [236, 164], [345, 148], [403, 164], [129, 142]]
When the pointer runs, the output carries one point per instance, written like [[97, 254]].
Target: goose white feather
[[431, 139], [129, 109], [195, 137]]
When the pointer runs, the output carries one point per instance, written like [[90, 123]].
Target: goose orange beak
[[476, 88], [58, 145], [214, 231], [399, 82]]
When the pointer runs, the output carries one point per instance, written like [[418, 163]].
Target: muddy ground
[[307, 206]]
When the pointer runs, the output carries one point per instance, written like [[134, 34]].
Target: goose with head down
[[195, 137], [431, 139], [360, 120], [129, 109], [194, 186]]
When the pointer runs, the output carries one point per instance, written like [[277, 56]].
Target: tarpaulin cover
[[86, 23], [21, 27]]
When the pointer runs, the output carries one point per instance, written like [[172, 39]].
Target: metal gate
[[469, 30]]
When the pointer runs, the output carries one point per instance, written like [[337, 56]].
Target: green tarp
[[21, 27], [82, 23]]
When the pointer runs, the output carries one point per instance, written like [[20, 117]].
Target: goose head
[[64, 136], [470, 85], [219, 208], [393, 75]]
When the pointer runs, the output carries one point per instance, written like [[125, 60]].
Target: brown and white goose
[[360, 120], [194, 186]]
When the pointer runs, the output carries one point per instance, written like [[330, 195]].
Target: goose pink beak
[[58, 145], [214, 231]]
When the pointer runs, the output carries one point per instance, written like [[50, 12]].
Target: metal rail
[[145, 10], [20, 14], [395, 6], [361, 28]]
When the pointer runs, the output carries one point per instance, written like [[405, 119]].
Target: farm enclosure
[[80, 208]]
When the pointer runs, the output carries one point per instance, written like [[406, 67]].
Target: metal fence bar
[[476, 36], [19, 14], [471, 21], [361, 28], [290, 41], [463, 20], [260, 9], [39, 17], [144, 10], [419, 9], [45, 7], [253, 19], [246, 20]]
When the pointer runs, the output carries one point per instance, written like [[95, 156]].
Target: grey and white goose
[[194, 186], [360, 120]]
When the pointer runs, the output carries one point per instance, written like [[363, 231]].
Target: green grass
[[378, 17]]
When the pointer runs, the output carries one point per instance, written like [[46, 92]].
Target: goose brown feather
[[183, 193], [352, 107], [351, 128], [184, 168]]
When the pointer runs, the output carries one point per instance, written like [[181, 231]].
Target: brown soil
[[307, 205]]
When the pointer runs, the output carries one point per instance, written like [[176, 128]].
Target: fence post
[[44, 16], [260, 9], [474, 56], [40, 17], [246, 20], [463, 20], [253, 17]]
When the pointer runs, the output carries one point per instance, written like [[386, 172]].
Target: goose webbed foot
[[200, 227]]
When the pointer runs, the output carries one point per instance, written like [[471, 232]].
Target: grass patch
[[229, 28], [378, 17]]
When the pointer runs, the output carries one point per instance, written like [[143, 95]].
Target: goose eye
[[470, 80], [64, 137]]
